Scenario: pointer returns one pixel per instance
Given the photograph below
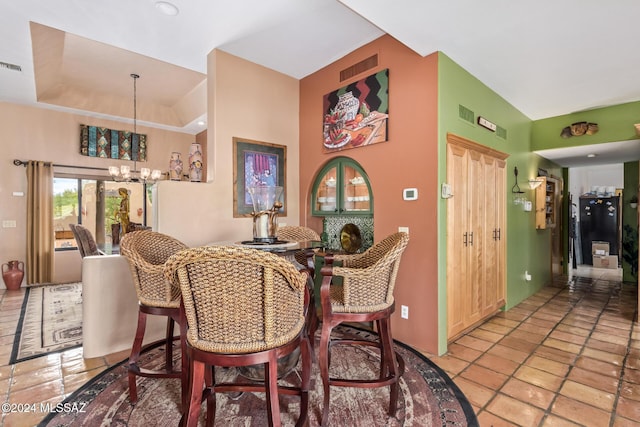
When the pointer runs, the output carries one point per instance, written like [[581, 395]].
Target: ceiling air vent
[[10, 66], [360, 67], [501, 132], [466, 114]]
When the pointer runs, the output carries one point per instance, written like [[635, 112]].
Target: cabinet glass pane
[[355, 191], [326, 200]]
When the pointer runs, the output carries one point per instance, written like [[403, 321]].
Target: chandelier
[[124, 172]]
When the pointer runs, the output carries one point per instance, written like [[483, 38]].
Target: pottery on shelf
[[175, 167], [195, 162], [13, 274]]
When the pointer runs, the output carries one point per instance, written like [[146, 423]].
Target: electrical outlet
[[404, 311]]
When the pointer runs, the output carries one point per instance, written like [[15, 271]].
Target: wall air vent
[[466, 114], [358, 68], [501, 132], [10, 66]]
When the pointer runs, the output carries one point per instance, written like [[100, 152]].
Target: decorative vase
[[195, 162], [13, 274], [175, 167], [266, 206]]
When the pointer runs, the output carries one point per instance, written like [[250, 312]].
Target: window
[[94, 204]]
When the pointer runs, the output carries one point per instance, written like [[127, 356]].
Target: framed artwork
[[256, 163], [356, 115], [97, 141]]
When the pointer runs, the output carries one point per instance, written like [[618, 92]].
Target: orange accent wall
[[408, 159]]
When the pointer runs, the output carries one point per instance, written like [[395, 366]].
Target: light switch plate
[[7, 223]]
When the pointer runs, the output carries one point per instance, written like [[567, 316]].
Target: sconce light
[[124, 172], [535, 183]]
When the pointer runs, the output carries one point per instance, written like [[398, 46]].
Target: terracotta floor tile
[[498, 364], [452, 365], [598, 366], [594, 379], [488, 419], [555, 421], [506, 322], [607, 346], [539, 378], [548, 365], [573, 330], [508, 353], [33, 378], [628, 409], [603, 356], [541, 323], [474, 343], [465, 353], [476, 393], [518, 344], [528, 336], [515, 411], [498, 329], [579, 412], [486, 335], [484, 376], [589, 395], [114, 358], [562, 345], [624, 326], [632, 376], [611, 332], [568, 337], [74, 381], [555, 354], [624, 422], [43, 391], [529, 327], [528, 393], [630, 391]]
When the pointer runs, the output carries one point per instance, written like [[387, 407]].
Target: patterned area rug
[[428, 397], [50, 321]]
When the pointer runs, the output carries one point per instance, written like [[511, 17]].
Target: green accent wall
[[614, 124], [527, 248]]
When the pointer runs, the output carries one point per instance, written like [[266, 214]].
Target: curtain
[[40, 236]]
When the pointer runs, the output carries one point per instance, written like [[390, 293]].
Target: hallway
[[566, 356]]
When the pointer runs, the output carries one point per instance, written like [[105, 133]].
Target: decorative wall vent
[[8, 66], [466, 114], [359, 67], [501, 132]]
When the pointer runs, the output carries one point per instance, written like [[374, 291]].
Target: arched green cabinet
[[342, 188]]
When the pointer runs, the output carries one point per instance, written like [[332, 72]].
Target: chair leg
[[390, 362], [306, 355], [168, 351], [196, 381], [324, 368], [271, 386], [210, 378], [135, 356]]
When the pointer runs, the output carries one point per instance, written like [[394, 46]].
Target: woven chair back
[[369, 278], [238, 300], [84, 239], [147, 251], [296, 233]]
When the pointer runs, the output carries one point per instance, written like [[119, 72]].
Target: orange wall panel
[[408, 159]]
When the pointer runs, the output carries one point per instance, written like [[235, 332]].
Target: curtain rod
[[19, 162]]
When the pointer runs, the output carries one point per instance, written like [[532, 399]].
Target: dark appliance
[[599, 222]]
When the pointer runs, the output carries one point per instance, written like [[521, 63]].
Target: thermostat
[[410, 194]]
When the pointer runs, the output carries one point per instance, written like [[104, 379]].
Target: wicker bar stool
[[85, 241], [243, 307], [300, 233], [365, 295], [147, 251]]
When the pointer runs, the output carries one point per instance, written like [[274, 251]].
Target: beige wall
[[29, 133], [248, 101], [409, 159]]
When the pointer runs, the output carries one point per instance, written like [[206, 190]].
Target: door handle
[[464, 240], [471, 238]]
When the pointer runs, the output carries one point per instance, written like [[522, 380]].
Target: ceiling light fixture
[[124, 172], [591, 155], [167, 8]]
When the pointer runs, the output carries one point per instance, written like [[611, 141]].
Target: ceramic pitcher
[[12, 274]]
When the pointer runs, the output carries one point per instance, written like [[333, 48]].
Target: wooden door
[[475, 233], [456, 227]]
